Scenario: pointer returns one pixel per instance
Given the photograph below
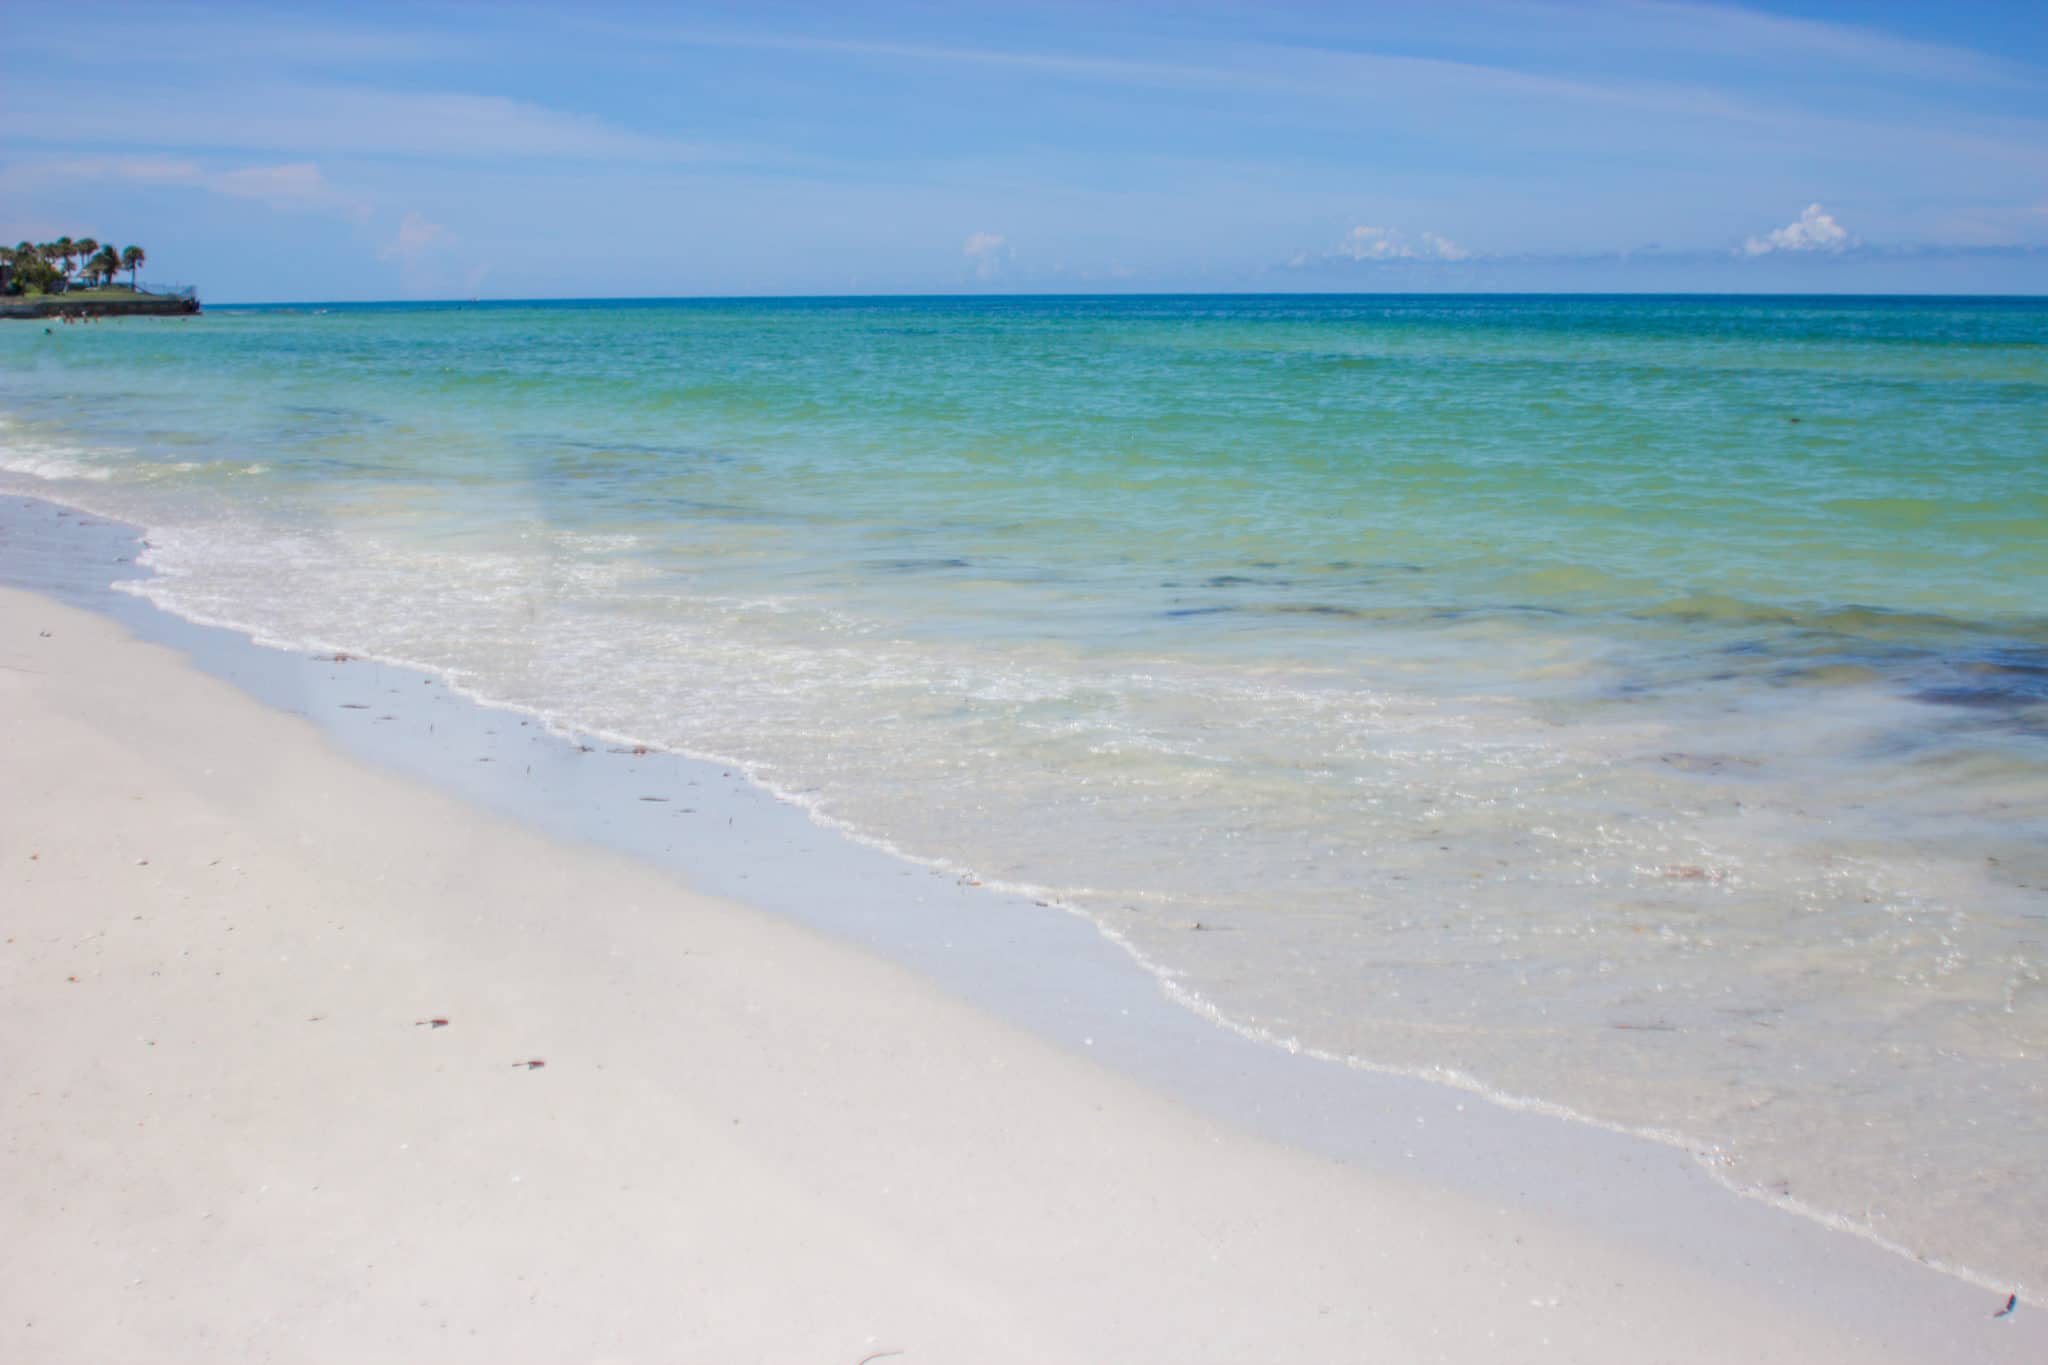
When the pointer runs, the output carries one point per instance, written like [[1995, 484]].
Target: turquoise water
[[1635, 706]]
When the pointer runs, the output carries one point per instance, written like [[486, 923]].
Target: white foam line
[[1708, 1156], [52, 463]]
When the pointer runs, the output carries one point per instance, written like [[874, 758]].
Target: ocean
[[1635, 708]]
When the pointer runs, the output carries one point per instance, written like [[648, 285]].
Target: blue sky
[[375, 151]]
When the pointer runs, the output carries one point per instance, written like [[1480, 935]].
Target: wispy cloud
[[1678, 25], [154, 36], [291, 186], [341, 119], [1372, 72], [1294, 71], [1813, 230]]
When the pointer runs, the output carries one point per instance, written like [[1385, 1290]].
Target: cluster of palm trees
[[95, 263]]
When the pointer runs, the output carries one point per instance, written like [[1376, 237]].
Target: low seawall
[[57, 305]]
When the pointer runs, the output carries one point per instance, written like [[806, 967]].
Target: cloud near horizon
[[990, 252], [416, 236], [1814, 230], [1368, 243]]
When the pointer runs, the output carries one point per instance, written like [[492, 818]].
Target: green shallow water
[[1636, 705]]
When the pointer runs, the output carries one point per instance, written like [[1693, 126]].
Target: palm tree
[[32, 268], [85, 247], [105, 265], [131, 261], [63, 249]]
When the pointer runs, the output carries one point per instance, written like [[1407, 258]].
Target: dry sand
[[228, 1135]]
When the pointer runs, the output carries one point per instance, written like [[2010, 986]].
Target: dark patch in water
[[1488, 613], [2015, 663], [344, 415], [1313, 609], [2012, 681], [302, 421], [918, 565], [1874, 625], [572, 451], [1709, 763], [1198, 611], [1231, 580], [1976, 697]]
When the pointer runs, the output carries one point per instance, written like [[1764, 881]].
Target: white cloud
[[416, 236], [426, 268], [1815, 230], [1442, 248], [990, 252], [1371, 244], [1367, 243]]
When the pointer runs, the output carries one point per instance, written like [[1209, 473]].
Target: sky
[[423, 150]]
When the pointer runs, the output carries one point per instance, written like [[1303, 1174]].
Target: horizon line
[[956, 296]]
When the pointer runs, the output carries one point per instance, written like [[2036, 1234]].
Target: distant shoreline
[[1133, 296], [140, 305]]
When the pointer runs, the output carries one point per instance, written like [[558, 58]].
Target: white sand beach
[[232, 1130]]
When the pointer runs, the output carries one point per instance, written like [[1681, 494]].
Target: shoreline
[[1070, 945], [1075, 989]]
